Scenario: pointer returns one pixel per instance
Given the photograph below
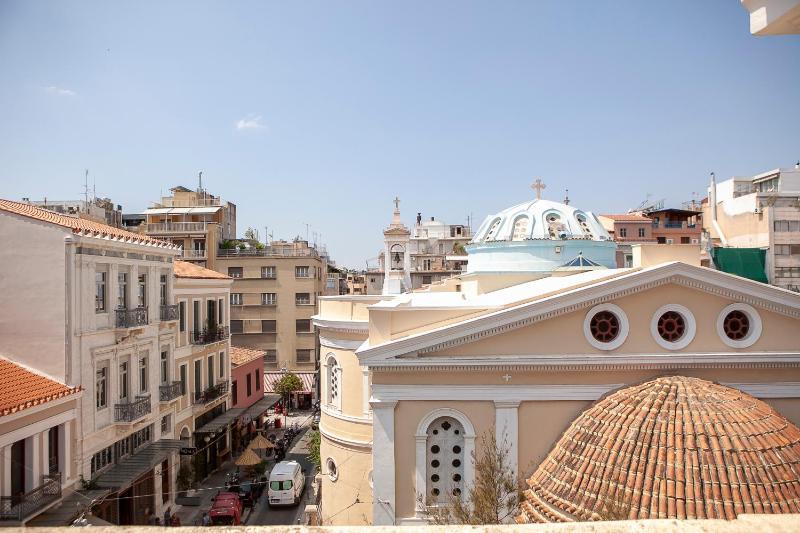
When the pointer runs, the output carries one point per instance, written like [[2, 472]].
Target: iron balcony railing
[[207, 336], [170, 391], [130, 411], [131, 318], [20, 507], [177, 227], [169, 312], [193, 254], [267, 252], [211, 393]]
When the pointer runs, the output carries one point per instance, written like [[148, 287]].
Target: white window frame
[[330, 369], [237, 298], [755, 325], [624, 327], [688, 336]]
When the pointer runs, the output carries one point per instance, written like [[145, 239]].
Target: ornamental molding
[[340, 344], [606, 291], [333, 413], [342, 441], [344, 326]]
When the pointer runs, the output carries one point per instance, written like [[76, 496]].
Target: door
[[52, 451], [211, 314], [17, 470]]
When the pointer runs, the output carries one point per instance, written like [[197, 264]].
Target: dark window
[[302, 325], [641, 232], [234, 390], [685, 240], [671, 326], [302, 298], [303, 356], [268, 326], [623, 232], [661, 240], [258, 379], [237, 326], [100, 292], [183, 380], [182, 315], [235, 272], [249, 385], [426, 280], [196, 317], [604, 326], [736, 325]]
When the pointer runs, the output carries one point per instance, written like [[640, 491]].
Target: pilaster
[[506, 423], [383, 461]]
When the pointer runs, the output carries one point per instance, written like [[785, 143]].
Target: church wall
[[564, 335], [353, 467], [404, 323], [408, 415]]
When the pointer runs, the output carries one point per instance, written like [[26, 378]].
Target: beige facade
[[522, 362], [273, 297]]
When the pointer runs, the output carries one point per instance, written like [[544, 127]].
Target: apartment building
[[627, 229], [195, 220], [434, 250], [356, 283], [273, 298], [336, 282], [200, 378], [98, 314], [101, 210], [247, 394], [753, 226], [38, 442]]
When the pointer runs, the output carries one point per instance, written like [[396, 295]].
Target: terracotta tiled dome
[[674, 447]]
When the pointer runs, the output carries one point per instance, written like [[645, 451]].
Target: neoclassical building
[[534, 333]]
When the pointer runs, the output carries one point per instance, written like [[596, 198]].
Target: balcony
[[268, 252], [169, 392], [193, 254], [207, 336], [210, 394], [131, 318], [176, 227], [169, 312], [131, 411], [23, 506]]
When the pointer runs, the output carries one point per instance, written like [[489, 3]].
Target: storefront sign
[[188, 451]]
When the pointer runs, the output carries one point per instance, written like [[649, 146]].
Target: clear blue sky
[[453, 106]]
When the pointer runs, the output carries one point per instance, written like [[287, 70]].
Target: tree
[[285, 386], [494, 497], [313, 449]]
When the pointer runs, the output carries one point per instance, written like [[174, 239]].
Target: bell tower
[[396, 255]]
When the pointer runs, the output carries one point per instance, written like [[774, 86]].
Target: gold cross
[[537, 186]]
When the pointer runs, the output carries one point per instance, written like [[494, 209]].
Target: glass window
[[268, 326], [221, 364], [269, 298], [123, 381], [302, 325], [249, 385], [182, 315], [221, 306], [301, 272], [142, 295], [122, 290], [236, 298], [163, 290], [100, 292], [237, 326], [184, 388], [303, 356], [268, 272], [258, 379], [196, 318], [143, 381], [198, 375], [302, 298], [101, 387], [210, 370], [235, 272], [641, 232], [623, 232], [164, 367]]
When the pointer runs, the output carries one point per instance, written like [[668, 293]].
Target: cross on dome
[[538, 186]]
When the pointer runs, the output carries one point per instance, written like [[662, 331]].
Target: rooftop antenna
[[86, 186], [566, 197], [200, 181]]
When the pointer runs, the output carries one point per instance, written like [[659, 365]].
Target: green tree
[[288, 384], [313, 449], [494, 497]]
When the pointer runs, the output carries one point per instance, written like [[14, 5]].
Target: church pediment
[[695, 301]]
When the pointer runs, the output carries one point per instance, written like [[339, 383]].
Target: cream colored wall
[[347, 307], [564, 334], [354, 465], [645, 255], [746, 229], [408, 415], [32, 284], [351, 380]]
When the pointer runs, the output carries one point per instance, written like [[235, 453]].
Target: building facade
[[757, 218], [101, 210], [99, 303]]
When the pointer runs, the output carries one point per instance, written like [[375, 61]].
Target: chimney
[[431, 219]]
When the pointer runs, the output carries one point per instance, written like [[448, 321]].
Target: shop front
[[302, 399]]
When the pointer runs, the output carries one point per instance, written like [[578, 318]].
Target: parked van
[[286, 483]]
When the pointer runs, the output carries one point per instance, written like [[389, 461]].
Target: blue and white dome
[[538, 237], [541, 219]]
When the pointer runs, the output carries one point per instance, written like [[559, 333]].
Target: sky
[[320, 113]]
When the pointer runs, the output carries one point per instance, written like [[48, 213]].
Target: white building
[[90, 305]]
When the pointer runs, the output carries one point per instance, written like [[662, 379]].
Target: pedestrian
[[206, 519], [167, 517], [176, 522]]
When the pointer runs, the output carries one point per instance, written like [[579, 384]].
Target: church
[[572, 364]]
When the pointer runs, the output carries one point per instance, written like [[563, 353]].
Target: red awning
[[270, 378]]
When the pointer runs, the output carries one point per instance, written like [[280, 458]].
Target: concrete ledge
[[788, 523]]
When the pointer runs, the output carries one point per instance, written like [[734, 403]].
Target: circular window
[[435, 478], [434, 449], [435, 463], [330, 465], [739, 325], [605, 326], [456, 449], [435, 492], [456, 463], [673, 327]]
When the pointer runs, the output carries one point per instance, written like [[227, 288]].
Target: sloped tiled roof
[[22, 388], [184, 269], [240, 356], [79, 225], [628, 218], [674, 447]]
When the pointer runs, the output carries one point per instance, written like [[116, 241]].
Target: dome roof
[[674, 447], [541, 219]]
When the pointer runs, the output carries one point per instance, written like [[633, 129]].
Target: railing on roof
[[131, 318], [193, 254], [177, 227], [267, 252], [207, 201], [20, 507]]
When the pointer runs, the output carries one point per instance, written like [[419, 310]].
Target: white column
[[45, 453], [65, 457], [5, 489], [421, 494], [506, 423], [366, 393], [383, 463], [33, 473]]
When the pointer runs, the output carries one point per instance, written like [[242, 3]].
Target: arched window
[[333, 397], [520, 229], [445, 443], [584, 224], [555, 227], [493, 229]]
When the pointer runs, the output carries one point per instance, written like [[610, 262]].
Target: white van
[[286, 483]]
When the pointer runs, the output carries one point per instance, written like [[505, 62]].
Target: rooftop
[[185, 269], [628, 217], [240, 356], [23, 388], [79, 225]]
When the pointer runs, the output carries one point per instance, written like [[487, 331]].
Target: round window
[[739, 325], [330, 465], [673, 327], [736, 325], [605, 327]]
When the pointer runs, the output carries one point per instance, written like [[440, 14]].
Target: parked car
[[226, 510], [287, 481]]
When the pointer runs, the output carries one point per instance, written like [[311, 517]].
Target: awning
[[221, 422], [262, 405], [308, 378], [132, 467], [745, 262], [181, 210]]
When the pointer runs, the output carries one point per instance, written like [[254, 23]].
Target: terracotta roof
[[240, 356], [23, 389], [184, 269], [628, 218], [674, 447], [79, 225]]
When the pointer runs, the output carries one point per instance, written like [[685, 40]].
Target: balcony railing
[[170, 391], [130, 411], [211, 393], [177, 227], [268, 252], [207, 336], [193, 254], [169, 312], [131, 318], [22, 506]]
